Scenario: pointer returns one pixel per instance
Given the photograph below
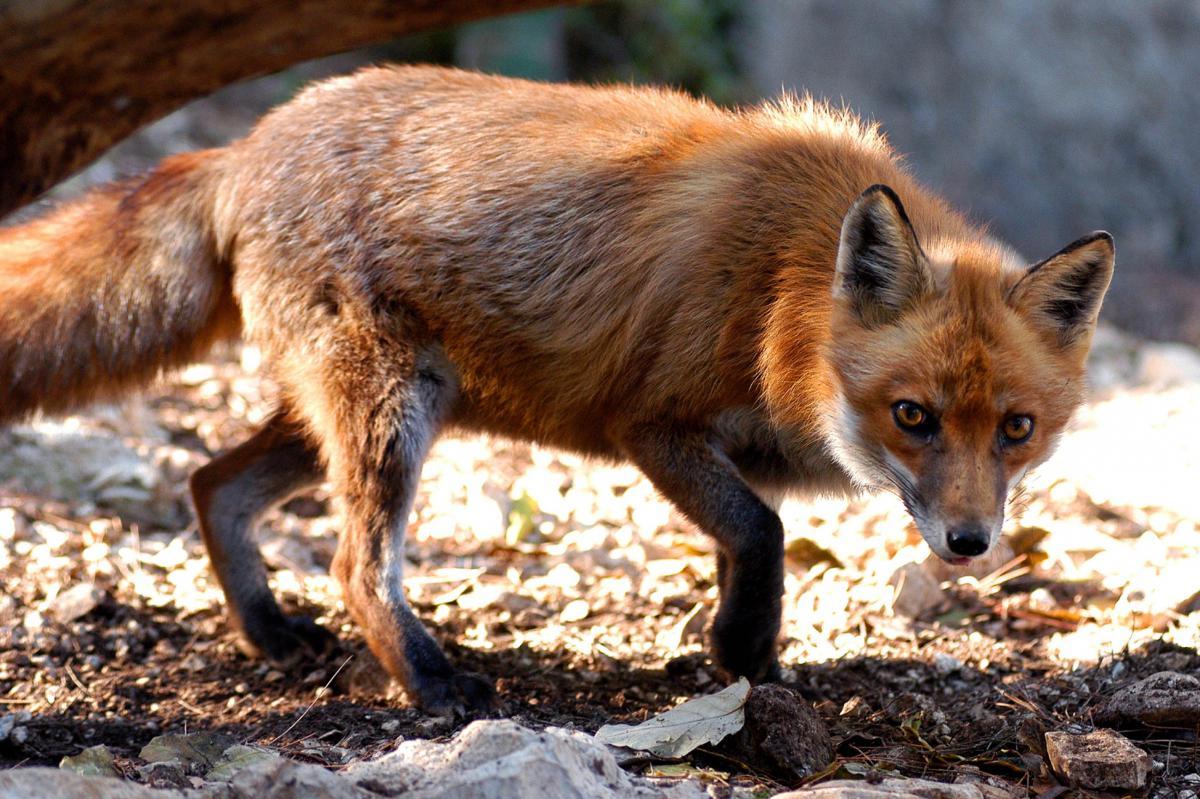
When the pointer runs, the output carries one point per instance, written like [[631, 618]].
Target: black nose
[[968, 540]]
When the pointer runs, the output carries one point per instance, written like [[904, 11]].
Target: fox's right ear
[[880, 266]]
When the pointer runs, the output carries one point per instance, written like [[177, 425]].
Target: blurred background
[[1046, 118]]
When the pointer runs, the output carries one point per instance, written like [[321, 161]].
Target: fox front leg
[[688, 468]]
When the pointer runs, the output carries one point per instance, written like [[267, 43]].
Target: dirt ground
[[586, 596]]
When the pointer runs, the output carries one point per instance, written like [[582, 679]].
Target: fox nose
[[968, 540]]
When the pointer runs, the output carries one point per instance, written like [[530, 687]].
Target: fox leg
[[378, 421], [704, 484], [231, 493]]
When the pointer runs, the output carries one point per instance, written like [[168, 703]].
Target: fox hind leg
[[378, 421], [231, 493]]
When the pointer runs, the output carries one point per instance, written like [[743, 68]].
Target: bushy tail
[[100, 295]]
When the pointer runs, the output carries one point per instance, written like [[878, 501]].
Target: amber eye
[[913, 418], [1017, 429]]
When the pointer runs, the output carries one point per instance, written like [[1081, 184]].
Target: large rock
[[1100, 759], [487, 760], [36, 783], [1166, 698], [503, 760]]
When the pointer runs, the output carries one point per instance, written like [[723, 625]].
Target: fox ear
[[1062, 294], [880, 266]]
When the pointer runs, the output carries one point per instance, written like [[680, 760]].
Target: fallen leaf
[[704, 720], [681, 771], [806, 553], [520, 519], [1027, 539]]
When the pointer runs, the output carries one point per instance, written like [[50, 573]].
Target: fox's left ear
[[880, 266], [1063, 293]]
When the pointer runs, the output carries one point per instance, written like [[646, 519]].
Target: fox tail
[[102, 294]]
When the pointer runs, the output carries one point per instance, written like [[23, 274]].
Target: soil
[[586, 597]]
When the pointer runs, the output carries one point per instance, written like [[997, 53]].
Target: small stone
[[76, 602], [915, 591], [1100, 759], [1164, 699], [7, 722], [945, 664], [96, 761], [576, 610]]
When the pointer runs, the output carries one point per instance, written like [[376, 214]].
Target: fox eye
[[913, 418], [1017, 429]]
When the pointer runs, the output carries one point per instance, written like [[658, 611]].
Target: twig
[[313, 703], [75, 679]]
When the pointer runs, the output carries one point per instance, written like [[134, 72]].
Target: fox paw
[[746, 649], [288, 641], [456, 694]]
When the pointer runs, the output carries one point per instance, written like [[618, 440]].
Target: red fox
[[742, 303]]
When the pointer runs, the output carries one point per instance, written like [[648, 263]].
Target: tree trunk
[[77, 76]]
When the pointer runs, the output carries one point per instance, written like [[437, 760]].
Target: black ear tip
[[880, 188], [1105, 236]]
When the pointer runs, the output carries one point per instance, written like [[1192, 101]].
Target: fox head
[[956, 367]]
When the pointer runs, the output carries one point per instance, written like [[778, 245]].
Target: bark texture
[[77, 76]]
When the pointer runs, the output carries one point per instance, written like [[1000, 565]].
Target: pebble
[[76, 602], [576, 610]]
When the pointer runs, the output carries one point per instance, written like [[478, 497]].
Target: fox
[[744, 303]]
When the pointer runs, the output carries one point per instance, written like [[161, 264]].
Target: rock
[[23, 783], [1166, 698], [76, 602], [783, 734], [575, 610], [897, 788], [915, 591], [1100, 759], [237, 758], [278, 778], [168, 774], [493, 759], [95, 761], [946, 664], [7, 722], [195, 753]]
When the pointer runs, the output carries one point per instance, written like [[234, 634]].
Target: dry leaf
[[704, 720], [806, 553]]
